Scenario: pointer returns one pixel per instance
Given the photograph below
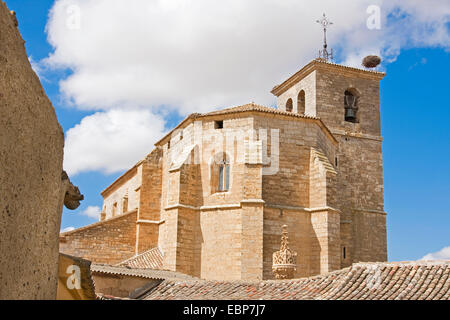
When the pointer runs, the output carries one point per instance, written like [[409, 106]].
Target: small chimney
[[285, 260]]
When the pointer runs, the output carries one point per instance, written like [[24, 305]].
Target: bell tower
[[347, 100]]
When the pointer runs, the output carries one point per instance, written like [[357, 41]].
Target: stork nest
[[371, 61]]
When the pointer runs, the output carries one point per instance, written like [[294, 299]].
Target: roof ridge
[[149, 259], [62, 235], [348, 67], [252, 106], [404, 263]]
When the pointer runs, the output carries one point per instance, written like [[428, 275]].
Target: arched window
[[351, 105], [221, 172], [289, 105], [301, 102], [125, 204]]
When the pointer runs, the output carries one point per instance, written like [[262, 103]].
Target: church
[[212, 197]]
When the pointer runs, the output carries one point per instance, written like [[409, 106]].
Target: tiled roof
[[141, 273], [361, 281], [369, 70], [151, 259], [320, 63], [255, 107]]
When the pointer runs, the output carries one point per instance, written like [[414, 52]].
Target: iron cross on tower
[[324, 54]]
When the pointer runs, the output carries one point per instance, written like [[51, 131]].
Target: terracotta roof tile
[[151, 259], [361, 281], [255, 107], [138, 272]]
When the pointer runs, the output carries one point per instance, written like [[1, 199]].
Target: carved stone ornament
[[285, 260]]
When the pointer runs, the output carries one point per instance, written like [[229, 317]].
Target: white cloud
[[199, 55], [67, 229], [111, 141], [92, 212], [443, 254]]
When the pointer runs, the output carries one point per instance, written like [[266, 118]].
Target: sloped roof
[[151, 259], [361, 281], [249, 107], [255, 107], [323, 64], [138, 272]]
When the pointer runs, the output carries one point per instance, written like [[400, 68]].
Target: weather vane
[[324, 54]]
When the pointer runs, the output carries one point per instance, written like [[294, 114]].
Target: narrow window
[[221, 173], [168, 145], [125, 205], [351, 106], [114, 209], [301, 106], [218, 124], [289, 105], [103, 214], [224, 176], [221, 178], [336, 161], [344, 253]]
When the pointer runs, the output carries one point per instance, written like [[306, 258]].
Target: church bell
[[350, 114]]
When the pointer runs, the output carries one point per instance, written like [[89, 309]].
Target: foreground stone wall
[[31, 157]]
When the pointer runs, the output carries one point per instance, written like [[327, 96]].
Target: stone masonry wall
[[360, 185], [146, 236], [331, 86], [360, 164], [289, 186], [151, 186], [188, 255], [149, 202], [307, 84], [220, 238], [300, 241], [109, 241], [128, 187], [369, 236]]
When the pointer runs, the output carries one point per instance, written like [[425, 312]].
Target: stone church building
[[211, 199]]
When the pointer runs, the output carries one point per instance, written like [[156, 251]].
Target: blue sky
[[415, 111]]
